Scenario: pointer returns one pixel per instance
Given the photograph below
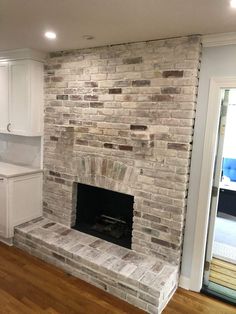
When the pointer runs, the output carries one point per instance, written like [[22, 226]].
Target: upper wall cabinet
[[4, 82], [21, 97]]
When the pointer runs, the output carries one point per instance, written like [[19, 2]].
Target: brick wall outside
[[121, 117]]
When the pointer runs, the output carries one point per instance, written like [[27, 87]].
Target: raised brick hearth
[[121, 118], [144, 281]]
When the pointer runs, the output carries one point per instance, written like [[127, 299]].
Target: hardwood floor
[[187, 302], [28, 285]]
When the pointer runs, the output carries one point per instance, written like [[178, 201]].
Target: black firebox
[[105, 214]]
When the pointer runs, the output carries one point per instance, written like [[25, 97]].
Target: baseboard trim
[[184, 282], [7, 241]]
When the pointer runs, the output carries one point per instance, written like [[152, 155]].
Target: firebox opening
[[105, 214]]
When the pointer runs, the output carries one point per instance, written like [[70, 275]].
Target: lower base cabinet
[[20, 201], [3, 207]]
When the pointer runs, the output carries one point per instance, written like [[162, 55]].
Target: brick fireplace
[[121, 118]]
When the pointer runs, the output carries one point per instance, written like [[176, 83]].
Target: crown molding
[[216, 40], [21, 54]]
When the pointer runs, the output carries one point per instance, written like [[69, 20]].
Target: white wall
[[229, 150], [20, 150], [216, 62]]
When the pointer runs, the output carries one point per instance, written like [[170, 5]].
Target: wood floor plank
[[187, 302], [28, 285], [12, 304], [37, 309]]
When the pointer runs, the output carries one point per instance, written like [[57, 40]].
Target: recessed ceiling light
[[88, 37], [233, 4], [50, 35]]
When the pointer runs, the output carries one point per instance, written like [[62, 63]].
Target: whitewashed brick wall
[[121, 117]]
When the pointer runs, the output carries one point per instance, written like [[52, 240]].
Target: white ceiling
[[23, 22]]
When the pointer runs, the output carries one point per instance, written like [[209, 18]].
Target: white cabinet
[[4, 104], [20, 201], [21, 98], [3, 207]]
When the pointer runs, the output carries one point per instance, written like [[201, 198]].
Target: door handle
[[8, 127]]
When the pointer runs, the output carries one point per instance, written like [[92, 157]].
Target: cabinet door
[[3, 96], [3, 208], [19, 112], [25, 199]]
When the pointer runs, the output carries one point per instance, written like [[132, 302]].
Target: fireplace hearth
[[105, 214]]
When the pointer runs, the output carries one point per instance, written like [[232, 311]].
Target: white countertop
[[11, 170]]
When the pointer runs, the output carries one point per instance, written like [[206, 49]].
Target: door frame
[[206, 178]]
